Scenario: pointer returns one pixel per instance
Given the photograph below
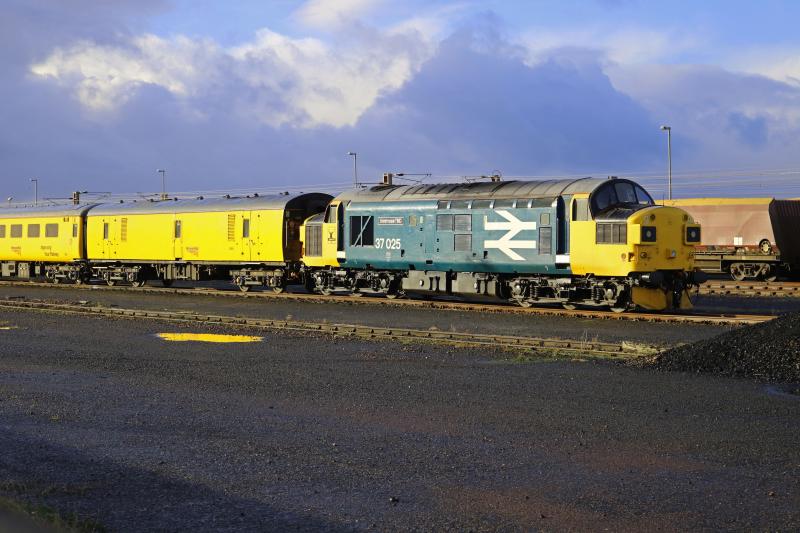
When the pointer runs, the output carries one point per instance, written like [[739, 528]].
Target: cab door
[[248, 231], [332, 233]]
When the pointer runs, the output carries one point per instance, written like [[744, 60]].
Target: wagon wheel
[[138, 283], [111, 282], [738, 272]]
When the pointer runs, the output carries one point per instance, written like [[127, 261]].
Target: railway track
[[753, 288], [531, 345], [499, 307]]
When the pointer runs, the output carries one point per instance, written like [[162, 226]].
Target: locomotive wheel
[[325, 291], [56, 280], [395, 295], [277, 289], [523, 303], [568, 306], [111, 282], [616, 309], [737, 272], [138, 283], [356, 294], [79, 280], [244, 288]]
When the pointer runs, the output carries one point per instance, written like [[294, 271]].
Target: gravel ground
[[386, 315], [100, 418], [768, 351]]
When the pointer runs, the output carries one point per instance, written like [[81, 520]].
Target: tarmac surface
[[101, 418], [381, 315]]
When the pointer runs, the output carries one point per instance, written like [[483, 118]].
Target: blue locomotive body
[[521, 236]]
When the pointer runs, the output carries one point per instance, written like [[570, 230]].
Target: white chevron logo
[[512, 226]]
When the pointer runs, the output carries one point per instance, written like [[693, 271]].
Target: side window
[[16, 231], [245, 228], [544, 219], [481, 204], [33, 230], [2, 231], [51, 230], [177, 229], [362, 231], [545, 241], [75, 231], [105, 231], [642, 197], [503, 204]]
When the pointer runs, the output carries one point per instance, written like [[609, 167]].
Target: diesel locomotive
[[589, 242]]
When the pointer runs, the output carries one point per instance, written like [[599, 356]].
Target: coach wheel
[[738, 272], [166, 282], [765, 246]]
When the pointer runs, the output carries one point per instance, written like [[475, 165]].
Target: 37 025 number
[[388, 244]]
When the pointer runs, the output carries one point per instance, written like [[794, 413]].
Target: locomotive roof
[[70, 210], [498, 189], [205, 204]]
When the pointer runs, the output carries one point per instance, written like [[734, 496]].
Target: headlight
[[648, 234], [693, 234]]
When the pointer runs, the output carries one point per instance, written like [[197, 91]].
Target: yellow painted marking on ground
[[207, 337], [3, 328]]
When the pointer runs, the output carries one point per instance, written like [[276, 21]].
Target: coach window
[[16, 231], [246, 228], [75, 230], [51, 230], [33, 230], [2, 231], [105, 231], [177, 229]]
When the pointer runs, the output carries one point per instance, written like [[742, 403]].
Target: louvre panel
[[612, 233], [231, 227], [545, 241], [463, 223], [444, 222], [123, 229], [462, 243], [314, 241]]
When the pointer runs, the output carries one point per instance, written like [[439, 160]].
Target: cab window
[[330, 214]]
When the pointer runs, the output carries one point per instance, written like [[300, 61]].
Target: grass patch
[[42, 515]]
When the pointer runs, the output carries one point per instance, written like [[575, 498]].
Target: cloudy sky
[[253, 94]]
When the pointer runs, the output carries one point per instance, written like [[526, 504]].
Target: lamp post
[[163, 173], [355, 168], [668, 129], [35, 191]]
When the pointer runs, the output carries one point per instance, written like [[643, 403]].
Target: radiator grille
[[314, 240], [231, 227]]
